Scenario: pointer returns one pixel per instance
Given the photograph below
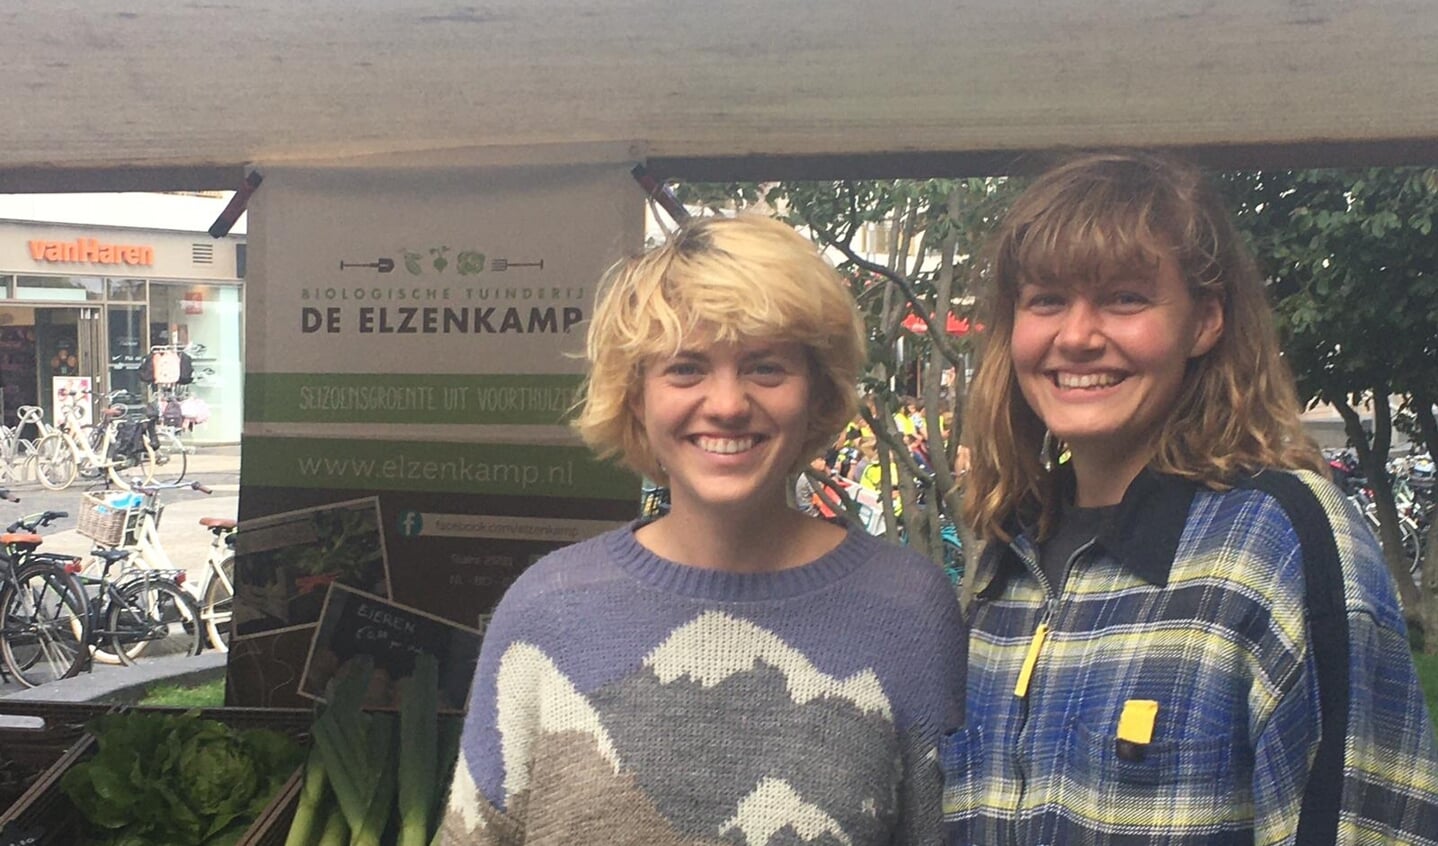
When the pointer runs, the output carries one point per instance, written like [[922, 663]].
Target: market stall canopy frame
[[147, 95]]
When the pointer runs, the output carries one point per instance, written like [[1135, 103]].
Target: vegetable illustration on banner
[[467, 262]]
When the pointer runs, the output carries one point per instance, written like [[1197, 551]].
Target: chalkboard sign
[[354, 623]]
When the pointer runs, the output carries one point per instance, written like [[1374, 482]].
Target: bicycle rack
[[19, 459]]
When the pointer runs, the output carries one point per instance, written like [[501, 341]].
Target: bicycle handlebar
[[154, 490], [37, 521]]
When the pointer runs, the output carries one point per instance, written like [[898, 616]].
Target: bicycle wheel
[[43, 625], [54, 462], [95, 436], [167, 463], [1412, 550], [24, 460], [217, 611], [153, 616]]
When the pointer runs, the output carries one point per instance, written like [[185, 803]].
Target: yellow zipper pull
[[1021, 689]]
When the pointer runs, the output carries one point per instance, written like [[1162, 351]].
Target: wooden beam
[[76, 180], [758, 168]]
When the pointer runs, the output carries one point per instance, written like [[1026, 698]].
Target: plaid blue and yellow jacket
[[1194, 600]]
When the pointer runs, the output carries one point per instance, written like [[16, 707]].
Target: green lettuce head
[[218, 772]]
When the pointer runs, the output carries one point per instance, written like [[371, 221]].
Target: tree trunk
[[1427, 425], [1428, 430], [1373, 456], [944, 495], [1428, 636]]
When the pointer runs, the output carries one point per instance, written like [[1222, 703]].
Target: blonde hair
[[721, 280], [1089, 219]]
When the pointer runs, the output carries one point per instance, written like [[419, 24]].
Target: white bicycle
[[130, 521], [69, 451], [217, 595]]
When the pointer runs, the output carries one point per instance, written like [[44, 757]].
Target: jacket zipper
[[1024, 682]]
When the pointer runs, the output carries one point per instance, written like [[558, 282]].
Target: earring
[[1046, 452]]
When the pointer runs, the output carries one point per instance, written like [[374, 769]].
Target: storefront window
[[18, 384], [126, 289], [204, 321], [127, 348], [60, 288]]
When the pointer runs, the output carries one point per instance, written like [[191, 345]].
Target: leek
[[309, 810], [419, 740], [337, 831], [380, 802], [357, 747]]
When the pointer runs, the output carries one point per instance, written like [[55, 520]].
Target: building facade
[[85, 300]]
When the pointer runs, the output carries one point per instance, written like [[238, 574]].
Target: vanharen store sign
[[91, 251]]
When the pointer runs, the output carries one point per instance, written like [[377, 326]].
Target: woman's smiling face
[[1101, 364], [727, 421]]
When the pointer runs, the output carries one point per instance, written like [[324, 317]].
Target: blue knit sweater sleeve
[[624, 698]]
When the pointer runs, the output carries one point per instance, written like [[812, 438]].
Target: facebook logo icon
[[411, 523]]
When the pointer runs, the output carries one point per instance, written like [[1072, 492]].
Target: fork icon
[[505, 264]]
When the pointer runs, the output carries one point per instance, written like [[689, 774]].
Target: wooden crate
[[272, 827], [45, 810], [33, 736]]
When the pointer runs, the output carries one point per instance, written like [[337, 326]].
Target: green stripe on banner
[[352, 464], [514, 399]]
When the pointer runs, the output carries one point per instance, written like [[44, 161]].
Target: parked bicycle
[[145, 419], [54, 619], [217, 594], [43, 614], [69, 451], [1411, 480], [142, 612], [131, 521]]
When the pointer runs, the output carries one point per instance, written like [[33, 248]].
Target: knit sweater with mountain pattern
[[625, 699]]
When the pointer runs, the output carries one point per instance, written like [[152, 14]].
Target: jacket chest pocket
[[1196, 782]]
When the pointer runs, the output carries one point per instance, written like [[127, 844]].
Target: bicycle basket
[[107, 524]]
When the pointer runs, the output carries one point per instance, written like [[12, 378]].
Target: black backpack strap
[[1328, 641]]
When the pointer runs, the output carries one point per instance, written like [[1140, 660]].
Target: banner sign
[[414, 350]]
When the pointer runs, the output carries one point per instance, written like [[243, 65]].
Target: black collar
[[1142, 535]]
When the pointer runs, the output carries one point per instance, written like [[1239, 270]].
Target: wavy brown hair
[[718, 279], [1088, 219]]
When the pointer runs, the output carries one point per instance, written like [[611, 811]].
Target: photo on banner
[[356, 623], [286, 562]]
